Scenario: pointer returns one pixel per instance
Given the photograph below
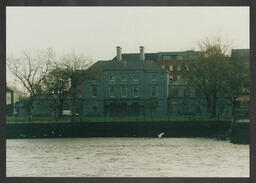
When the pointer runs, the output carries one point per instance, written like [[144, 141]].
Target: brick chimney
[[142, 54], [118, 53]]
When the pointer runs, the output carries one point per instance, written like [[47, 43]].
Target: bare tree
[[211, 72], [57, 86], [75, 66], [30, 71]]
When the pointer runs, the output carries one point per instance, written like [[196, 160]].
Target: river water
[[126, 157]]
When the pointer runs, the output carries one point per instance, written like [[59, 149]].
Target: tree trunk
[[73, 106], [233, 105], [30, 105], [214, 103], [208, 99], [81, 113], [60, 111]]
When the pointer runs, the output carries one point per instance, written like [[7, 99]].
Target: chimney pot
[[142, 53], [119, 53]]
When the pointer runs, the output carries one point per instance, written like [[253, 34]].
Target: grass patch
[[18, 120]]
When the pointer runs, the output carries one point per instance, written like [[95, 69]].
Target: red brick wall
[[174, 63]]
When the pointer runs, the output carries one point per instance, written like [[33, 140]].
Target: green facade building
[[124, 87], [134, 84]]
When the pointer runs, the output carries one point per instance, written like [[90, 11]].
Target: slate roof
[[136, 56], [240, 53], [158, 55], [148, 65]]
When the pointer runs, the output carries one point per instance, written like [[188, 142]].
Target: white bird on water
[[160, 135]]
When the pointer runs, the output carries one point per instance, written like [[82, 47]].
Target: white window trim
[[187, 67], [125, 77], [122, 91], [112, 79], [156, 91], [155, 78], [135, 79]]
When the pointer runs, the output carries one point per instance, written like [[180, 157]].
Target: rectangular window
[[175, 92], [179, 57], [171, 77], [178, 77], [94, 109], [112, 78], [186, 92], [198, 107], [166, 57], [197, 92], [135, 77], [163, 66], [186, 67], [178, 67], [174, 57], [124, 78], [136, 91], [124, 91], [154, 91], [185, 108], [170, 67], [153, 77], [112, 91], [222, 108], [174, 108], [94, 92]]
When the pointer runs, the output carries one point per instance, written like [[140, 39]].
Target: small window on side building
[[154, 91], [112, 91], [174, 92], [178, 67], [94, 91]]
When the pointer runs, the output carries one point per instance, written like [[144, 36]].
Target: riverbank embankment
[[122, 129], [186, 129]]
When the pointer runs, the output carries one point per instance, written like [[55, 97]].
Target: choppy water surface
[[126, 157]]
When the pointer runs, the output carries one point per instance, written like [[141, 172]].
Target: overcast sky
[[97, 31]]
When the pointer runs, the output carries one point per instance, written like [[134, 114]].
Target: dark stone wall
[[188, 129], [239, 133]]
